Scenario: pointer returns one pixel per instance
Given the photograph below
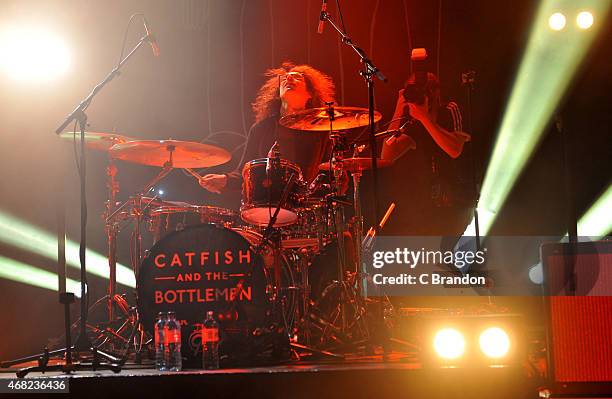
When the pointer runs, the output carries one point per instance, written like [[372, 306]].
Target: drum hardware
[[318, 119], [181, 154], [98, 141], [148, 152]]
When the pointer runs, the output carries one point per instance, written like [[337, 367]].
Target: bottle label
[[210, 335], [172, 336]]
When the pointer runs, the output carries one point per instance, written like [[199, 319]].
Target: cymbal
[[358, 164], [317, 119], [184, 154], [97, 141]]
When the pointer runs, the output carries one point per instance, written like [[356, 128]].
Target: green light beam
[[13, 270], [594, 224], [597, 221], [23, 235], [549, 63]]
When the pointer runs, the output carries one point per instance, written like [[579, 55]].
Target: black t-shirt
[[306, 149], [426, 184]]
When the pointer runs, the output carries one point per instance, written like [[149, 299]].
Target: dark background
[[213, 54]]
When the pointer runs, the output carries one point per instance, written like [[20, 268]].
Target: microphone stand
[[368, 72], [83, 343], [467, 79]]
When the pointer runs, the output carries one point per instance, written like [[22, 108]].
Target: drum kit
[[254, 267]]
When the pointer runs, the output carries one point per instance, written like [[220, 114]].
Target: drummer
[[288, 89]]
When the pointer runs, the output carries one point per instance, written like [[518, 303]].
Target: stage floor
[[366, 377]]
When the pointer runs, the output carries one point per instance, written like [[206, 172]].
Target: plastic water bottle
[[172, 335], [160, 342], [210, 343]]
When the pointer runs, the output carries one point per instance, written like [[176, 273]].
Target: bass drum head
[[202, 268]]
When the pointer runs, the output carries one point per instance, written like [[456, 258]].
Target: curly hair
[[319, 85]]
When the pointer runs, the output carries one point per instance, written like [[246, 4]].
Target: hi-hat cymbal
[[97, 141], [358, 164], [317, 119], [184, 154]]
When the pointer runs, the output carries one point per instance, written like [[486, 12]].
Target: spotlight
[[556, 21], [33, 55], [160, 192], [449, 343], [472, 340], [494, 342], [584, 20]]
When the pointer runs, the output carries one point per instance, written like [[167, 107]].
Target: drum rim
[[194, 209], [283, 162], [245, 208]]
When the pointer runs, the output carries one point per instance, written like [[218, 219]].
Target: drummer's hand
[[419, 111], [214, 183], [403, 108]]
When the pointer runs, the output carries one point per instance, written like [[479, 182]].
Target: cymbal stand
[[138, 210], [337, 170], [358, 232], [111, 233], [129, 317]]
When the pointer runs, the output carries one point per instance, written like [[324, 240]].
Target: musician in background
[[289, 89], [427, 180]]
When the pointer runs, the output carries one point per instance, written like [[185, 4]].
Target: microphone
[[273, 153], [322, 17], [396, 132], [151, 37], [399, 131]]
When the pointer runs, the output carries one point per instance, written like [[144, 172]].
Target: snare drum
[[262, 192]]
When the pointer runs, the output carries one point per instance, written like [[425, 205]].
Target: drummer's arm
[[234, 178], [232, 181], [395, 147], [450, 140]]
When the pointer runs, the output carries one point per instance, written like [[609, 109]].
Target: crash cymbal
[[317, 119], [184, 154], [358, 164], [97, 141]]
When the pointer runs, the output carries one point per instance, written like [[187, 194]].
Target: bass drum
[[209, 267]]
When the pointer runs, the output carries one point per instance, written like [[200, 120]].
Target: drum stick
[[193, 173], [367, 241], [387, 215]]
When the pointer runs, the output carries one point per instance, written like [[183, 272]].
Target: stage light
[[13, 270], [25, 236], [494, 342], [32, 54], [546, 70], [584, 20], [160, 192], [449, 343], [557, 21]]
